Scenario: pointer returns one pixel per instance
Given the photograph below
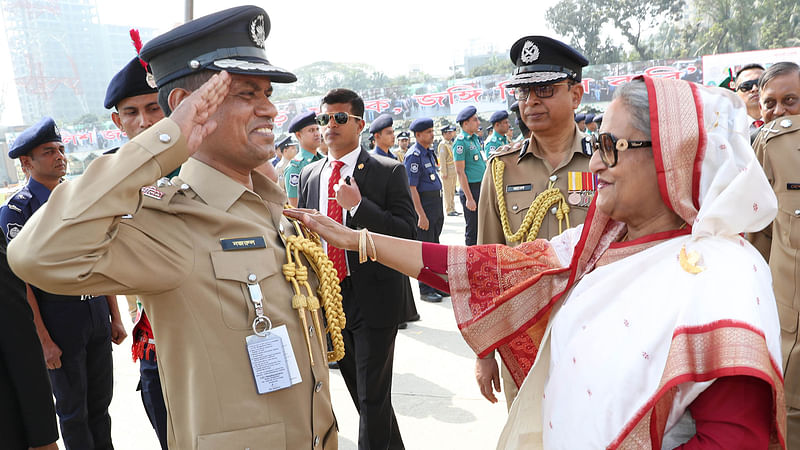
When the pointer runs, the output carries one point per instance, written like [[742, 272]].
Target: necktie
[[758, 123], [336, 255]]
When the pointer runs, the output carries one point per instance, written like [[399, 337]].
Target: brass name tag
[[243, 243]]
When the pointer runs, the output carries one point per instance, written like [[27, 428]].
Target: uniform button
[[184, 187], [318, 387], [554, 210], [280, 227], [311, 331], [194, 64], [164, 138], [797, 212], [515, 207], [316, 440], [553, 177], [252, 278], [162, 182]]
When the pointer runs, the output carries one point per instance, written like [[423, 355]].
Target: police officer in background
[[136, 108], [383, 135], [497, 139], [580, 119], [403, 140], [306, 130], [552, 165], [287, 148], [470, 165], [776, 148], [591, 126], [75, 331], [426, 192], [447, 168]]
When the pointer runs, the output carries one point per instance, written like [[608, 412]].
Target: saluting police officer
[[470, 165], [383, 135], [553, 164], [305, 128], [75, 330], [426, 192], [205, 250], [777, 148], [497, 139], [136, 108]]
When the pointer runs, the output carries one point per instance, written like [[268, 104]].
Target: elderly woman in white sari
[[653, 325]]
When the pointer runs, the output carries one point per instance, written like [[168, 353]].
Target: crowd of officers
[[149, 213]]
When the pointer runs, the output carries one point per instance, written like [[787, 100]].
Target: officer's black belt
[[430, 194]]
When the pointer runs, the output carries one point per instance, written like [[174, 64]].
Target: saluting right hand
[[193, 114]]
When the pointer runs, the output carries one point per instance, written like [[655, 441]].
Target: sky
[[392, 37]]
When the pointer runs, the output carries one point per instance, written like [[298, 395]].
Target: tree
[[633, 17], [497, 64], [781, 27], [578, 20]]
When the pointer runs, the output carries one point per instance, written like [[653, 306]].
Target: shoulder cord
[[533, 218], [296, 273]]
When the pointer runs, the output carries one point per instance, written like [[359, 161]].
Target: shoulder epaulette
[[780, 126], [504, 150]]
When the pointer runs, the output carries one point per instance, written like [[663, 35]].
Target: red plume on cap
[[137, 44]]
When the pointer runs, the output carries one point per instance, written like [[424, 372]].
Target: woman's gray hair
[[634, 96]]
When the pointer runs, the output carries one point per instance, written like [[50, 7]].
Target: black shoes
[[442, 293], [453, 213], [432, 297]]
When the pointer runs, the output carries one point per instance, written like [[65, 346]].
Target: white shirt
[[349, 160]]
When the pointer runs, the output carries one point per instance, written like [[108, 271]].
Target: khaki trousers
[[792, 428], [449, 192]]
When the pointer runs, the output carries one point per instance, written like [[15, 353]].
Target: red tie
[[758, 123], [336, 255]]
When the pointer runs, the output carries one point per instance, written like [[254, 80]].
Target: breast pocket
[[787, 222], [233, 271]]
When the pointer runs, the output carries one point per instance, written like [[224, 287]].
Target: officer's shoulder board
[[19, 199], [586, 145], [160, 195], [504, 150], [779, 127]]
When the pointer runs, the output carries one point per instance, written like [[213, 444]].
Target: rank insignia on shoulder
[[14, 207], [586, 143], [152, 192], [245, 243], [13, 230]]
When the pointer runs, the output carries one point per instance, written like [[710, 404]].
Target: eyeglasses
[[609, 146], [542, 91], [747, 86], [340, 117]]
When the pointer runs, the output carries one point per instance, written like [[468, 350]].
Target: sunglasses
[[609, 146], [542, 91], [340, 117], [747, 86]]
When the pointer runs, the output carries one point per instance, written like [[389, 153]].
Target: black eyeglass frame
[[537, 89], [599, 144], [325, 118]]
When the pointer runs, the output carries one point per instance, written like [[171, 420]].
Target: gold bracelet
[[362, 246], [374, 256]]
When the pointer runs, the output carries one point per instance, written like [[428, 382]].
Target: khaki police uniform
[[778, 150], [99, 234], [447, 167], [527, 173]]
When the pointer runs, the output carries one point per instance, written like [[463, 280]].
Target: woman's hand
[[333, 232]]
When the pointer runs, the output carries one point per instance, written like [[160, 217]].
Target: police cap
[[231, 40], [497, 116], [403, 135], [515, 107], [448, 128], [380, 123], [466, 113], [580, 118], [421, 124], [285, 142], [128, 82], [302, 120], [543, 60], [44, 131], [598, 119], [589, 117]]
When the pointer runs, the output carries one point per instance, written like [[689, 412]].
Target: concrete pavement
[[435, 397]]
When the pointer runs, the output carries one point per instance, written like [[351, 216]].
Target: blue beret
[[231, 40], [497, 116], [466, 113], [302, 120], [285, 142], [598, 118], [543, 60], [421, 124], [128, 82], [44, 131], [589, 117], [580, 118], [403, 135], [515, 107], [381, 122], [448, 128]]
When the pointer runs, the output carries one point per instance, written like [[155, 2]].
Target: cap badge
[[257, 33], [530, 52], [56, 130], [151, 80], [786, 123]]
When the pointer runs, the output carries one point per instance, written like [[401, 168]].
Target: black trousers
[[471, 217], [432, 205], [84, 384], [367, 372], [152, 398]]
